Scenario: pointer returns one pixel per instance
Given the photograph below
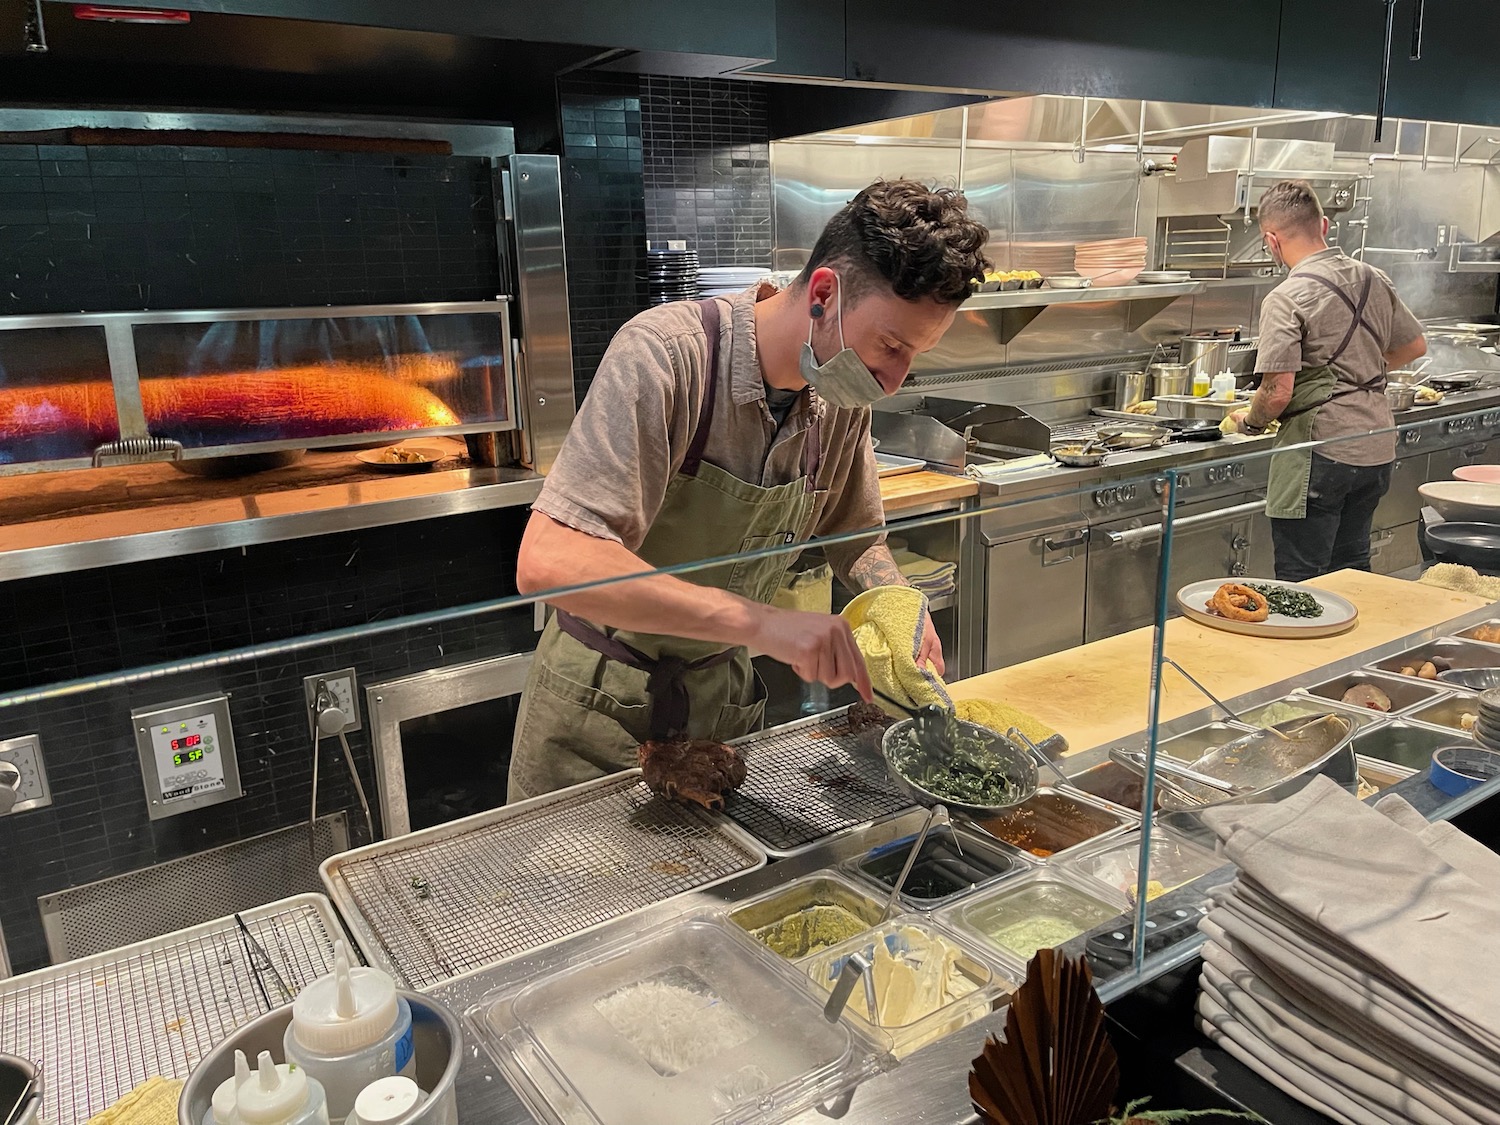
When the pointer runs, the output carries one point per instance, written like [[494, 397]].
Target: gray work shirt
[[632, 433], [1302, 323]]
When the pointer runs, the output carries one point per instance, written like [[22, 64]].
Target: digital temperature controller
[[187, 755]]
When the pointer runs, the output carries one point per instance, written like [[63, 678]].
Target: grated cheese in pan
[[674, 1021]]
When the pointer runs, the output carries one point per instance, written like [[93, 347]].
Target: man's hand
[[819, 647], [1238, 417], [931, 648]]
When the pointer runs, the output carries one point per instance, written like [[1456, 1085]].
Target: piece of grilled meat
[[695, 771]]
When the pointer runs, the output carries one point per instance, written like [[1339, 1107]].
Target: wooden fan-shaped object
[[1057, 1065]]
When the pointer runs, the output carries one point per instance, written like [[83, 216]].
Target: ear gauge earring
[[816, 311]]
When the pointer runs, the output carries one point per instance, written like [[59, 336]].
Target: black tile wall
[[57, 628], [604, 223], [104, 228], [655, 158], [708, 167]]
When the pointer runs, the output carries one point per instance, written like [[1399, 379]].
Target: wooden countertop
[[912, 490], [1098, 693]]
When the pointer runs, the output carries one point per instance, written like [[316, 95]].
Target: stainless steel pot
[[1207, 352], [1130, 388], [437, 1037], [1170, 378]]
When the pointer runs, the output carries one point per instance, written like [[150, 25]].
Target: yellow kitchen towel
[[153, 1102], [887, 624]]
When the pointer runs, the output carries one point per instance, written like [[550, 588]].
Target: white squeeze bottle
[[387, 1101], [1223, 387], [348, 1029], [221, 1109], [280, 1095]]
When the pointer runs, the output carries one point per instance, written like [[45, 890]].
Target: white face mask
[[844, 381]]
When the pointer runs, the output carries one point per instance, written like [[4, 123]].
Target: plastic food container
[[1051, 823], [808, 915], [1041, 912], [1173, 862], [688, 1023], [944, 870], [928, 984]]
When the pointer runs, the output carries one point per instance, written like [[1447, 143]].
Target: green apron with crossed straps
[[594, 694], [1312, 389]]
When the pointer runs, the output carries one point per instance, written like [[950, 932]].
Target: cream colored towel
[[153, 1102]]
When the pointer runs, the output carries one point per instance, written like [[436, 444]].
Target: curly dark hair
[[919, 241]]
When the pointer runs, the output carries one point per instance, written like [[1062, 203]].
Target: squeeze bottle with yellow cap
[[348, 1029], [280, 1095]]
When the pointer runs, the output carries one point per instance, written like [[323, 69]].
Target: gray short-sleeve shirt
[[633, 430], [1302, 324]]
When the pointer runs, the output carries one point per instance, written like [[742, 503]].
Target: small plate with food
[[401, 458], [1264, 607]]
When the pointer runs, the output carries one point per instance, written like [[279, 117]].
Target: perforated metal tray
[[810, 779], [450, 900], [101, 1025]]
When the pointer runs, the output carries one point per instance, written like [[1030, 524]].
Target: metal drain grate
[[810, 779], [100, 1026], [445, 901]]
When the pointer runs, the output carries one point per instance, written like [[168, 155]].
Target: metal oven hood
[[1225, 176]]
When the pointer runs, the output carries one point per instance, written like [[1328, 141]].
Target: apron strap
[[1358, 310], [812, 452], [665, 677], [710, 310]]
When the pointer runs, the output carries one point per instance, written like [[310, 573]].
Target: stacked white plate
[[1050, 259], [1487, 729], [724, 281], [1112, 261]]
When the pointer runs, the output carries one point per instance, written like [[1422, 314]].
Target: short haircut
[[1290, 205], [918, 241]]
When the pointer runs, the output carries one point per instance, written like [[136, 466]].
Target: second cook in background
[[1328, 335], [718, 427]]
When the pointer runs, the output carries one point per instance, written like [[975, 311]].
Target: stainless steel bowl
[[1475, 679], [1009, 760], [1274, 768], [1401, 396]]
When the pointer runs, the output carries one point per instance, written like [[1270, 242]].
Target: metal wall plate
[[344, 685], [25, 753]]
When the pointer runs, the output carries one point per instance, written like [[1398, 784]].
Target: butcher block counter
[[1098, 693], [926, 489]]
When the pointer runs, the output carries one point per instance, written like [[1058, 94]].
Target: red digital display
[[186, 741]]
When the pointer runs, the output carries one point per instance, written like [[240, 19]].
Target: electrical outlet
[[25, 753], [342, 685]]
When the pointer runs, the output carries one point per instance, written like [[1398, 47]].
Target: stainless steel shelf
[[1010, 313], [1040, 298]]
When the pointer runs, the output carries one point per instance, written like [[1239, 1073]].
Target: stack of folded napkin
[[1353, 962]]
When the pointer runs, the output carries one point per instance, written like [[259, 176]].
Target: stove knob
[[1239, 543], [1238, 570]]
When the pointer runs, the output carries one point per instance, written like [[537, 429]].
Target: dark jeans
[[1335, 534]]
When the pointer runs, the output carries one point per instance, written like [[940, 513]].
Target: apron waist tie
[[665, 675]]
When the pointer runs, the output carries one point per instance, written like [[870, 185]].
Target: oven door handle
[[1153, 530]]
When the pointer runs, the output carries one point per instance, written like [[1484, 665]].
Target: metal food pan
[[1126, 820], [1459, 654], [1447, 712], [448, 901], [101, 1025], [1406, 743], [1405, 692], [1380, 774], [1486, 632], [827, 888]]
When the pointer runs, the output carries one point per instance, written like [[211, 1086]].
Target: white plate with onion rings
[[1338, 614]]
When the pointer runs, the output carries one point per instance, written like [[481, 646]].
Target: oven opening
[[456, 761]]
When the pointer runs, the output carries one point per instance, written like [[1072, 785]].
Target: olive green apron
[[1312, 389], [593, 695]]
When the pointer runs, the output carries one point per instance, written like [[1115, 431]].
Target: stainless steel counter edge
[[931, 1085], [485, 490]]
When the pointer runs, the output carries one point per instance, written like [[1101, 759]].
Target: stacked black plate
[[671, 275], [1487, 729]]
